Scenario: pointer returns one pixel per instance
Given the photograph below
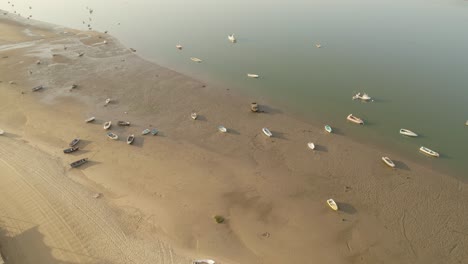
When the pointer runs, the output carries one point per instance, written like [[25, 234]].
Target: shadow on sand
[[347, 208]]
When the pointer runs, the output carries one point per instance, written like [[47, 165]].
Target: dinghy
[[70, 150], [428, 152], [311, 145], [354, 119], [267, 132], [328, 128], [108, 100], [154, 131], [112, 136], [123, 123], [91, 119], [107, 125], [196, 59], [254, 107], [203, 261], [232, 38], [130, 139], [388, 161], [74, 142], [251, 75], [145, 132], [194, 116], [2, 132], [37, 88], [78, 163], [408, 133], [222, 129], [179, 47], [332, 204]]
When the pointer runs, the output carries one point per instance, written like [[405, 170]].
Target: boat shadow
[[233, 131], [337, 131], [83, 143], [79, 152], [10, 135], [347, 208], [88, 164], [401, 165], [269, 110], [201, 118], [278, 135], [138, 142], [321, 148]]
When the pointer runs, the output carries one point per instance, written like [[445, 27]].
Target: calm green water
[[411, 56]]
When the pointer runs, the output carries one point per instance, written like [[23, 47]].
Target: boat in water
[[355, 119], [267, 132], [145, 132], [37, 88], [123, 123], [222, 129], [70, 150], [251, 75], [388, 161], [408, 133], [91, 119], [429, 152], [112, 136], [78, 163], [328, 128], [311, 145], [196, 59], [194, 116], [466, 123], [107, 125], [363, 97], [74, 142], [232, 38], [178, 46], [130, 139], [318, 45], [332, 204], [203, 261]]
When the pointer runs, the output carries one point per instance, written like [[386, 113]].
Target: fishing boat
[[37, 88], [123, 123], [222, 129], [232, 38], [254, 107], [78, 163], [107, 125], [112, 136], [354, 119], [154, 131], [388, 161], [332, 204], [145, 132], [408, 133], [267, 132], [311, 145], [74, 142], [196, 59], [108, 100], [91, 119], [203, 261], [363, 97], [178, 46], [194, 116], [130, 139], [328, 128], [251, 75], [428, 152], [70, 150]]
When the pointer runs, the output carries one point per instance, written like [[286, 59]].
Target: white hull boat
[[363, 97], [194, 116], [232, 38], [203, 261], [196, 59], [222, 129], [332, 204], [145, 132], [354, 119], [179, 47], [267, 132], [91, 119], [311, 145], [107, 125], [408, 133], [318, 45], [251, 75], [2, 132], [130, 139], [328, 128], [466, 123], [112, 136], [429, 152], [388, 161], [108, 100]]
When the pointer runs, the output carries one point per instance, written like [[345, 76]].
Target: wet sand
[[160, 194]]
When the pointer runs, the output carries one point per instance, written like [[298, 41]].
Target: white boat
[[178, 46], [388, 161], [130, 139], [232, 38], [311, 145], [107, 125], [222, 129], [196, 59], [363, 97], [267, 132], [354, 119], [408, 133], [318, 45], [428, 151], [466, 123], [332, 204], [203, 261], [91, 119], [194, 115], [251, 75], [328, 128], [2, 132], [112, 136], [107, 101], [145, 132]]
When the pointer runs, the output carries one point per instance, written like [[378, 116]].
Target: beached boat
[[130, 139], [74, 142], [311, 145], [107, 125], [123, 123], [363, 97], [354, 119], [112, 136], [232, 38], [222, 129], [328, 128], [145, 132], [91, 119], [251, 75], [37, 88], [332, 204], [196, 59], [108, 100], [408, 133], [203, 261], [78, 163], [178, 46], [2, 132], [70, 150], [154, 131], [388, 161], [267, 132], [194, 116], [428, 152], [254, 107]]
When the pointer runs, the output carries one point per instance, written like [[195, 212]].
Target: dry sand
[[159, 195]]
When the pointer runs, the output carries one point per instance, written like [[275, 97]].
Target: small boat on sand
[[108, 100], [222, 129], [203, 261], [388, 161], [332, 204], [194, 116], [328, 128], [254, 107], [78, 163], [154, 131], [37, 88], [145, 132], [2, 132], [112, 136], [91, 119], [251, 75], [232, 38], [408, 133], [363, 97], [178, 46], [107, 125], [70, 150], [267, 132], [429, 152], [130, 139], [196, 59], [354, 119], [74, 142], [123, 123], [311, 145]]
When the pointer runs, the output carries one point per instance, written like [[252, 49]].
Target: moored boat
[[267, 132], [388, 161], [222, 129], [311, 145], [112, 136], [232, 38], [363, 97], [332, 204], [74, 142], [466, 123], [178, 46], [251, 75], [328, 128], [91, 119], [408, 133], [78, 163], [130, 139], [429, 152], [107, 125], [154, 131], [123, 123], [355, 119], [318, 45], [196, 59], [194, 116], [145, 132], [70, 150]]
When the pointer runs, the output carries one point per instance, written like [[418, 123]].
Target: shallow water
[[411, 56]]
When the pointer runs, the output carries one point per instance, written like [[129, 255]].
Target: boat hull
[[429, 152], [130, 139], [332, 204], [388, 161], [328, 128], [267, 132], [409, 133], [355, 120]]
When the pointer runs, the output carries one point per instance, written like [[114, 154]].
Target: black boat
[[70, 150], [74, 142], [123, 123], [78, 163]]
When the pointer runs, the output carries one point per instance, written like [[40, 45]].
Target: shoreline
[[273, 186]]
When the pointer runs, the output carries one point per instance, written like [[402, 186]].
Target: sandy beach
[[159, 195]]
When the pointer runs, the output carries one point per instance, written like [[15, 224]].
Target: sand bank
[[160, 194]]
